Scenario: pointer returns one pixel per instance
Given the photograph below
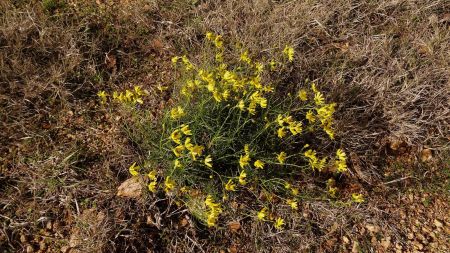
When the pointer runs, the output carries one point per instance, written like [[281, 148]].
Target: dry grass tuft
[[62, 156]]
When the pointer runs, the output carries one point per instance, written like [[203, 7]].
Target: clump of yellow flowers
[[235, 131]]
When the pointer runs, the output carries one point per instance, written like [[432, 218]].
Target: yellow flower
[[152, 175], [152, 186], [341, 161], [138, 91], [262, 214], [318, 98], [214, 211], [244, 57], [294, 191], [133, 169], [281, 157], [273, 64], [313, 87], [196, 151], [327, 128], [185, 129], [259, 164], [177, 164], [247, 149], [279, 223], [175, 59], [178, 150], [302, 95], [289, 53], [242, 177], [187, 144], [187, 64], [102, 95], [310, 116], [357, 198], [263, 102], [218, 42], [332, 191], [281, 132], [241, 105], [225, 94], [293, 204], [341, 155], [210, 35], [295, 128], [259, 67], [217, 96], [280, 120], [208, 161], [244, 160], [176, 136], [169, 184], [177, 112], [219, 57], [252, 108], [230, 186]]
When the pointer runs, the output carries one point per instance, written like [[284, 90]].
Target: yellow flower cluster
[[224, 83], [324, 112], [214, 211], [194, 150], [340, 162], [288, 122], [357, 198], [152, 185], [314, 162], [133, 96]]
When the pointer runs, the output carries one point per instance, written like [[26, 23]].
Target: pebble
[[438, 224]]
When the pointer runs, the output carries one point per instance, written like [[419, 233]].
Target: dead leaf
[[130, 188], [110, 61], [234, 226], [426, 155]]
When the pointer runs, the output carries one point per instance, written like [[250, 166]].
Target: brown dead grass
[[63, 156]]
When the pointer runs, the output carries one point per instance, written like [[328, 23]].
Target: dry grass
[[62, 156]]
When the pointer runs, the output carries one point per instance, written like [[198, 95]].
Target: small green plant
[[235, 131]]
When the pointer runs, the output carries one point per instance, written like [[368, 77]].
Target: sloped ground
[[63, 156]]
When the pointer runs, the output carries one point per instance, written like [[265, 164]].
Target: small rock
[[30, 249], [410, 236], [386, 243], [418, 245], [42, 245], [438, 224], [345, 240], [131, 188], [355, 247], [23, 238], [372, 228], [49, 225], [65, 249]]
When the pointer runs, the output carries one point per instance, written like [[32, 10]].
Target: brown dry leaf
[[130, 188], [184, 222], [234, 226], [233, 249], [110, 61], [426, 155]]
